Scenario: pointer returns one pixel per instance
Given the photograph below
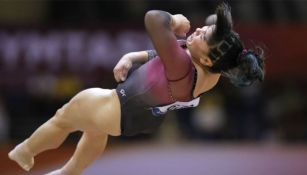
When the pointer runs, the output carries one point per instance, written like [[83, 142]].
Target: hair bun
[[249, 68]]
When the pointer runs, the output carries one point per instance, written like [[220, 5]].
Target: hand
[[122, 68], [180, 25]]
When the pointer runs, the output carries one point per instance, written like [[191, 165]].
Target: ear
[[206, 61], [211, 20]]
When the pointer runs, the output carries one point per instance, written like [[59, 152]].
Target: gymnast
[[172, 76]]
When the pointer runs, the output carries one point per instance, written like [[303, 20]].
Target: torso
[[151, 81], [149, 88]]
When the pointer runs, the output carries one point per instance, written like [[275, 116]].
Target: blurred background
[[50, 50]]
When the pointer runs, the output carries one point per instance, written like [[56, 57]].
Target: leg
[[48, 136], [88, 150], [95, 111], [104, 121]]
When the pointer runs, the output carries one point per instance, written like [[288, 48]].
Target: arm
[[125, 63], [137, 57], [162, 28]]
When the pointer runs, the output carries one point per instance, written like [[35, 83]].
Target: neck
[[206, 80]]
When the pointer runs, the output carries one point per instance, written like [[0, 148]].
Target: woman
[[173, 76]]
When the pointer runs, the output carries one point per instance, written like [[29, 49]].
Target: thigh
[[97, 110]]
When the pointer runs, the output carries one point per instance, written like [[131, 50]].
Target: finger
[[123, 76], [117, 75], [114, 73], [186, 29], [125, 70], [116, 78], [187, 25]]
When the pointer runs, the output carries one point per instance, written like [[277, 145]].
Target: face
[[197, 42]]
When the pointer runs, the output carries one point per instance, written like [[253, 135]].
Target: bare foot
[[22, 156], [56, 172]]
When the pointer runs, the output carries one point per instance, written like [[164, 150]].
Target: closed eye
[[203, 37]]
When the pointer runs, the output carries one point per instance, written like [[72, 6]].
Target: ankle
[[70, 171], [27, 149]]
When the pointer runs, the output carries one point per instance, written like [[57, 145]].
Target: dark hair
[[227, 52], [223, 23], [249, 69]]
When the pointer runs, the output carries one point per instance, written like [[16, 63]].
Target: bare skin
[[96, 112]]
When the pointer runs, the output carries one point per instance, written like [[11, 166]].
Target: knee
[[61, 123], [74, 107], [64, 117]]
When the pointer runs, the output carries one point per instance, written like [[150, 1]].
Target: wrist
[[127, 57]]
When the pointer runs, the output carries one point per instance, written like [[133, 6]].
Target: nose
[[198, 31]]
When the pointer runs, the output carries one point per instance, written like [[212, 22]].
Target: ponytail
[[250, 68], [227, 53]]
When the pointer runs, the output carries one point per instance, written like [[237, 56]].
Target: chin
[[189, 39], [188, 42], [188, 45]]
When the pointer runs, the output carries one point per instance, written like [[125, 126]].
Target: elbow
[[156, 17], [152, 14]]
